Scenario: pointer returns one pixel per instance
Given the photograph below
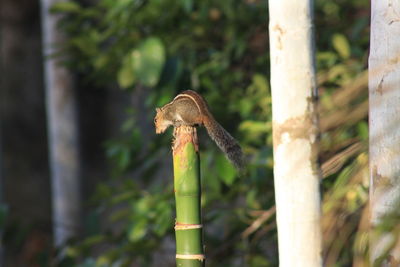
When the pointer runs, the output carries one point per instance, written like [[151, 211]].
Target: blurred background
[[128, 57]]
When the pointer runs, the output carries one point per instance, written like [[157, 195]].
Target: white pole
[[62, 132], [295, 130], [384, 123]]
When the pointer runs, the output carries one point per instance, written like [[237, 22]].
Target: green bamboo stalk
[[188, 227]]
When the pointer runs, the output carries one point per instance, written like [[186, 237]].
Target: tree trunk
[[384, 123], [295, 130], [62, 133]]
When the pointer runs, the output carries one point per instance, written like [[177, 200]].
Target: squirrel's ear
[[158, 110]]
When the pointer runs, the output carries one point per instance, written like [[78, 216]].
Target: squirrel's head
[[161, 122]]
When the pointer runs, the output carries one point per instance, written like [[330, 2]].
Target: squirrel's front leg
[[177, 123]]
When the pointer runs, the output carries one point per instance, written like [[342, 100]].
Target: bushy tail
[[225, 142]]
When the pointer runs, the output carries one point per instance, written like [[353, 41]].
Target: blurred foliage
[[219, 48]]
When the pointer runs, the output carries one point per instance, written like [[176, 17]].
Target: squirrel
[[190, 109]]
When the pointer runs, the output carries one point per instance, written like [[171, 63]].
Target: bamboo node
[[183, 226], [199, 257]]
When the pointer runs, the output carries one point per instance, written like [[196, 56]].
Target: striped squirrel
[[190, 109]]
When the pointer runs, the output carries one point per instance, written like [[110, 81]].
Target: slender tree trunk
[[384, 123], [295, 130], [62, 133]]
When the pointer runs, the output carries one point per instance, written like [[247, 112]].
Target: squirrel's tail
[[225, 142]]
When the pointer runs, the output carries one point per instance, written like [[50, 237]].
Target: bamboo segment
[[188, 227]]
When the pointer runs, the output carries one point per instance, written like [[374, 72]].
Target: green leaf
[[143, 205], [85, 44], [337, 71], [143, 64], [225, 170], [93, 240], [148, 61], [260, 261], [187, 5], [163, 220], [124, 158], [120, 215], [251, 200], [341, 45], [327, 58], [122, 197], [137, 230], [71, 251], [261, 83], [125, 75], [362, 129], [128, 125], [343, 178], [255, 126], [65, 7]]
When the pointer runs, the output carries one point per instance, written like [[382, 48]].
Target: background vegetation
[[219, 48]]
